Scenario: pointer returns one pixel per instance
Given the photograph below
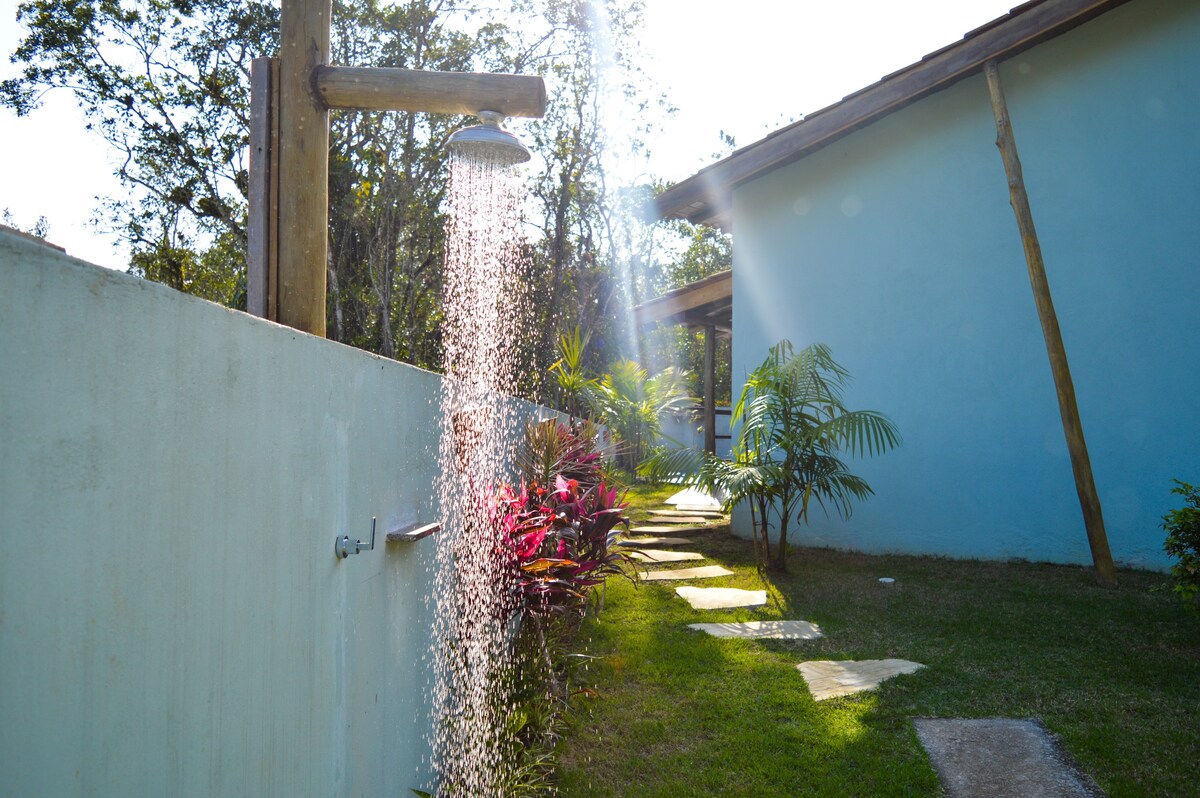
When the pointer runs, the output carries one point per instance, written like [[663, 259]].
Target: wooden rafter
[[702, 303]]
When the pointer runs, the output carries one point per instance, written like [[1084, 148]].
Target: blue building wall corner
[[896, 246]]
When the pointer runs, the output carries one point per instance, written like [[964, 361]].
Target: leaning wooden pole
[[1081, 464], [303, 166]]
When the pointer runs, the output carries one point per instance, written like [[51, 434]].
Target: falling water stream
[[480, 331]]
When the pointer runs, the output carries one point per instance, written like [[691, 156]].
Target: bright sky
[[743, 66]]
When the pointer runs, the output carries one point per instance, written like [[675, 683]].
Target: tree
[[706, 251], [574, 384], [792, 430], [166, 83], [387, 181], [631, 403]]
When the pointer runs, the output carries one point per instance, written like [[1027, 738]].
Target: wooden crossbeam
[[390, 89]]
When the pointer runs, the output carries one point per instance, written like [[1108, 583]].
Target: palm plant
[[568, 371], [631, 403], [792, 432]]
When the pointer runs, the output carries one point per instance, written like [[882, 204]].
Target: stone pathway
[[829, 679], [704, 572], [762, 630], [654, 555], [654, 541], [1001, 758], [995, 758], [721, 598]]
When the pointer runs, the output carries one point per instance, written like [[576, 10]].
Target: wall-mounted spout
[[489, 141]]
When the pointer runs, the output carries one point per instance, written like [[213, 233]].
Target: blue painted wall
[[898, 248]]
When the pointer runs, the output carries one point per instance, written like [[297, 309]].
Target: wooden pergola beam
[[669, 306]]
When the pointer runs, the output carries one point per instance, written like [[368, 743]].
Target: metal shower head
[[489, 140]]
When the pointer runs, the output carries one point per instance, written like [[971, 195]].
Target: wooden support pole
[[303, 166], [391, 89], [260, 244], [1081, 464], [710, 389]]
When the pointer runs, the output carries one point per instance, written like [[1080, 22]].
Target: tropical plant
[[792, 430], [569, 371], [631, 403], [1183, 542], [561, 542]]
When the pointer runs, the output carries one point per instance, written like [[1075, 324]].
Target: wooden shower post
[[303, 166], [288, 230], [1081, 464]]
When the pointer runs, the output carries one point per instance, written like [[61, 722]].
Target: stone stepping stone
[[703, 509], [694, 497], [676, 518], [767, 630], [1001, 758], [721, 598], [653, 541], [653, 555], [829, 679], [703, 572], [654, 529], [701, 514]]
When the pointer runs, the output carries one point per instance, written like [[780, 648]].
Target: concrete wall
[[898, 248], [683, 428], [172, 617]]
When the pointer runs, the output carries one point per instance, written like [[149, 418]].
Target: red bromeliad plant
[[560, 542]]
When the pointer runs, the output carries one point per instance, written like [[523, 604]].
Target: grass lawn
[[1115, 674]]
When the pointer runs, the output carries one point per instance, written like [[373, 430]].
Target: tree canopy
[[166, 84]]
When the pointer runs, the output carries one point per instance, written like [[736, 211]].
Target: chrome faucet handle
[[343, 546]]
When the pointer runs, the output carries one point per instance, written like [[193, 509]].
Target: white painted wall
[[682, 428], [172, 478]]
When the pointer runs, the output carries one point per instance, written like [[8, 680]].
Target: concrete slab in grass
[[678, 519], [830, 679], [653, 541], [654, 555], [721, 598], [704, 572], [700, 508], [692, 496], [770, 630], [656, 528], [664, 515], [1001, 758]]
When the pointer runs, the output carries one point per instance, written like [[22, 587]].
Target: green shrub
[[1183, 542]]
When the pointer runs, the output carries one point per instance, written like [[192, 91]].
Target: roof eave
[[706, 197]]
